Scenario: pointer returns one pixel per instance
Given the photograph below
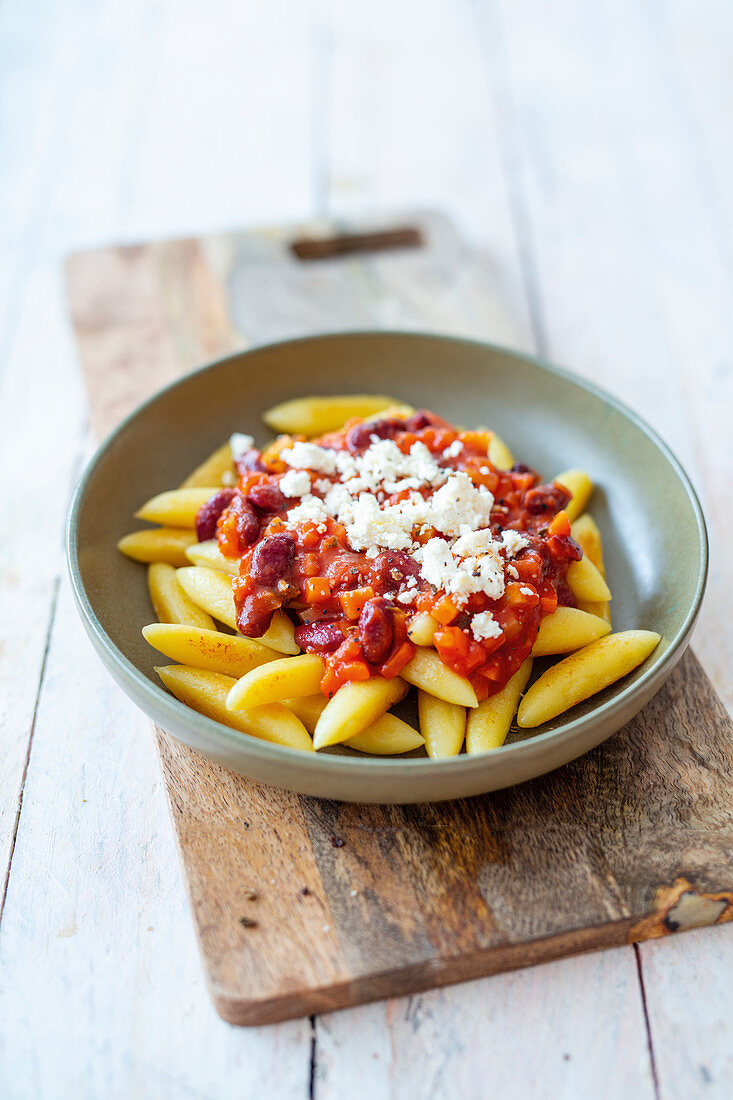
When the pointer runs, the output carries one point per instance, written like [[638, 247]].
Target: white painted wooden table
[[589, 148]]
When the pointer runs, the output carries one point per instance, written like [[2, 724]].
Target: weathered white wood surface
[[588, 147]]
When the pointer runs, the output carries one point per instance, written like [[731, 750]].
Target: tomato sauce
[[345, 601]]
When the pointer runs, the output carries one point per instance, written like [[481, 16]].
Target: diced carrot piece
[[393, 667], [477, 440], [308, 536], [243, 586], [444, 610], [529, 566], [339, 532], [560, 525], [352, 602], [310, 565], [548, 602], [317, 590], [521, 595], [330, 682], [476, 656], [451, 643], [406, 441], [354, 670], [492, 670], [349, 650]]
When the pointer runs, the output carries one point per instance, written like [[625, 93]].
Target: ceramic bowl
[[653, 529]]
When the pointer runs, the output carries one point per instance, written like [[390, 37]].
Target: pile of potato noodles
[[268, 689]]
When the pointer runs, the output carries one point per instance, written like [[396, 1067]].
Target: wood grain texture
[[399, 899]]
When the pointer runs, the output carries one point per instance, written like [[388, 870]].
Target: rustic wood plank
[[687, 983], [402, 898], [466, 1040], [103, 990], [31, 559], [75, 89]]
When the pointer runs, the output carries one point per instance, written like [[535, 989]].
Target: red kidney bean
[[255, 614], [420, 419], [521, 468], [248, 522], [209, 513], [249, 462], [268, 498], [545, 499], [272, 558], [359, 437], [387, 568], [319, 637], [376, 630]]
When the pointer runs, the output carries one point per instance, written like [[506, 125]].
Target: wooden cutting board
[[302, 905]]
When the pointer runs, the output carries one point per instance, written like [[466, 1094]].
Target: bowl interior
[[654, 539]]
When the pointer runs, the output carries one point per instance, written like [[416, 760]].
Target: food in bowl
[[372, 548]]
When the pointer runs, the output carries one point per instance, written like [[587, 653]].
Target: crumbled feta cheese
[[240, 444], [484, 470], [484, 574], [338, 503], [438, 564], [309, 456], [295, 483], [513, 542], [386, 527], [459, 505], [310, 510], [384, 466], [468, 560], [484, 626], [463, 577], [527, 591], [476, 542]]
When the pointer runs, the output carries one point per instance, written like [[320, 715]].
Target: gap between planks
[[24, 774]]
